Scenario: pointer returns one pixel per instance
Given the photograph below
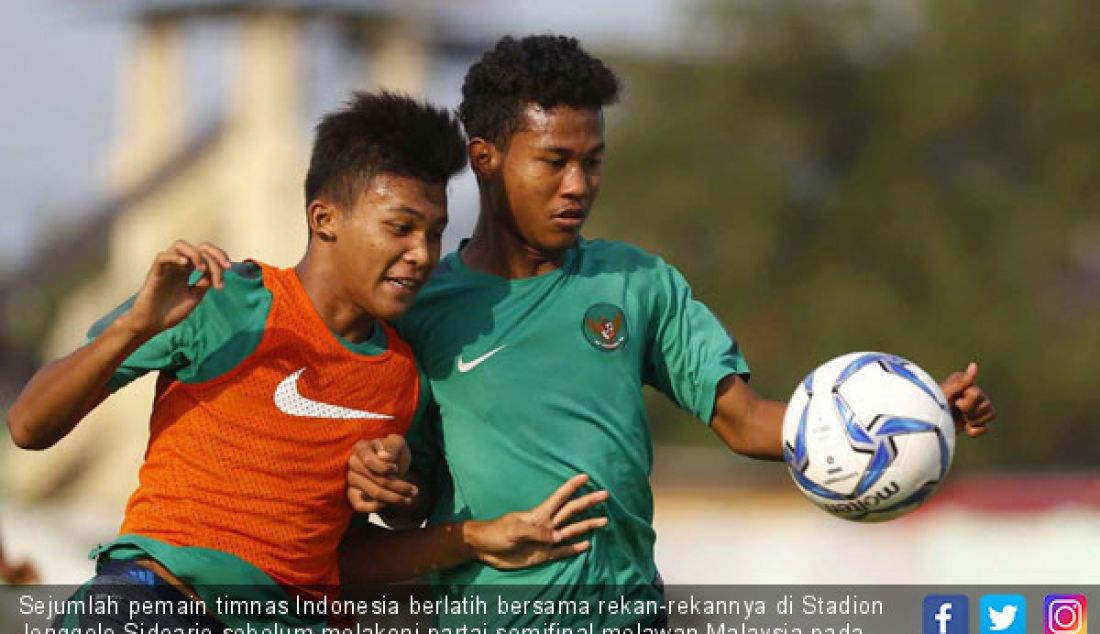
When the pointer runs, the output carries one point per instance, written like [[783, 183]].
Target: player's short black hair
[[548, 70], [377, 133]]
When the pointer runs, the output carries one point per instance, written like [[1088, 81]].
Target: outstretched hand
[[166, 297], [541, 534], [971, 407]]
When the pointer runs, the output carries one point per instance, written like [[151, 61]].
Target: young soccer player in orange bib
[[268, 379]]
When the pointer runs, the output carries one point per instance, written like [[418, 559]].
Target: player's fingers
[[379, 467], [389, 490], [569, 550], [215, 264], [576, 529], [978, 423], [171, 259], [386, 496], [167, 265], [378, 448], [574, 506], [379, 462], [548, 507], [368, 455], [989, 414], [968, 400], [392, 490], [355, 460], [396, 449], [218, 253], [358, 480], [393, 443], [957, 382], [365, 459], [191, 252], [361, 502], [983, 412], [199, 288], [212, 269], [973, 430]]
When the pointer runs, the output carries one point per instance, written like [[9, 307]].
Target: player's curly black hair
[[549, 70], [377, 133]]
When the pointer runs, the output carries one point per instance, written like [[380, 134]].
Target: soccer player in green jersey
[[537, 342]]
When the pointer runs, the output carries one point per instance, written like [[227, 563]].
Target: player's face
[[550, 174], [388, 243]]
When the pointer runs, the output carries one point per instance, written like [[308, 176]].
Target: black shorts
[[119, 583]]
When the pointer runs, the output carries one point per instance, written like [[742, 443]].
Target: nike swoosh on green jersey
[[466, 366]]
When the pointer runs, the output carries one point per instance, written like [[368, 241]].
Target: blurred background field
[[916, 176]]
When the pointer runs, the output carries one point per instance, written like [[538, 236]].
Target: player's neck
[[497, 249], [342, 316]]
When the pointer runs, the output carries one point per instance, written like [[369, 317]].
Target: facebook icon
[[946, 614]]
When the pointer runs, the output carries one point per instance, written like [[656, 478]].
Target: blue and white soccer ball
[[868, 436]]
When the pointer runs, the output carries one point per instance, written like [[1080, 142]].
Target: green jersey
[[539, 379]]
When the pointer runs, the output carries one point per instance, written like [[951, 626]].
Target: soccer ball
[[868, 436]]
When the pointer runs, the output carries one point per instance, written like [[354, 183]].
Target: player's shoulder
[[448, 267], [444, 284], [448, 278], [616, 255], [239, 276], [242, 297], [243, 282], [247, 271]]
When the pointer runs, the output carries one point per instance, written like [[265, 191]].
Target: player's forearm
[[377, 555], [60, 394], [746, 423]]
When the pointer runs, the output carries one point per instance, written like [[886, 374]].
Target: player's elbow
[[24, 433], [756, 435], [740, 442]]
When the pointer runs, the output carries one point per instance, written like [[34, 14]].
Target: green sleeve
[[688, 351], [161, 353], [222, 331]]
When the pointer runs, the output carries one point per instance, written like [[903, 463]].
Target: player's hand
[[376, 472], [166, 297], [20, 573], [529, 538], [970, 405]]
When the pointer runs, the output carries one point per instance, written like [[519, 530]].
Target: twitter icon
[[1003, 614]]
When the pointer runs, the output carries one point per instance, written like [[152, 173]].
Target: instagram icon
[[1065, 614]]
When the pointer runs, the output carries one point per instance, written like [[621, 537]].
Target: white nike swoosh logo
[[289, 401], [466, 366]]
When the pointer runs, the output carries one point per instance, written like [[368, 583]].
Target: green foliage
[[851, 176]]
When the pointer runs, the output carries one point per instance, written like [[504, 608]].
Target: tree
[[839, 177]]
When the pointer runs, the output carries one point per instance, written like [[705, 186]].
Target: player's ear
[[485, 157], [322, 217]]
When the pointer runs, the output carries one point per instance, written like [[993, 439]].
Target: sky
[[61, 62], [59, 71]]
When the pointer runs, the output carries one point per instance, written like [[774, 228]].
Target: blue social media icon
[[946, 614], [1002, 614]]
